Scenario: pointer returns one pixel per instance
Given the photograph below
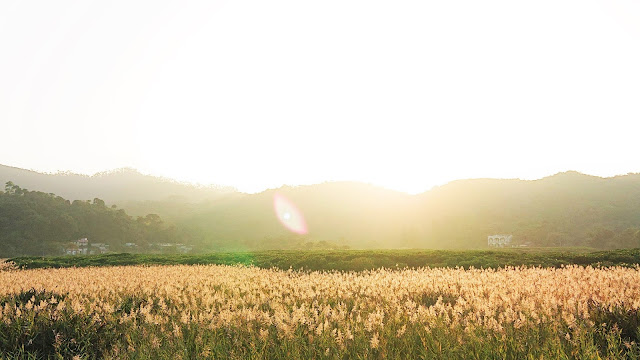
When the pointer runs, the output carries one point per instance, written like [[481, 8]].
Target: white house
[[499, 240], [77, 247]]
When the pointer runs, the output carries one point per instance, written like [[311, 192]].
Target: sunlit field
[[238, 312]]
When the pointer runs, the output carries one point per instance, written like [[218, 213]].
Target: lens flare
[[289, 215]]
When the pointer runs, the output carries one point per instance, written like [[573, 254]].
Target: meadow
[[246, 312]]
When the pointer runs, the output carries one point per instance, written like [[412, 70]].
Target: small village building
[[83, 247], [167, 248], [71, 249], [99, 248], [499, 240], [77, 247], [184, 248]]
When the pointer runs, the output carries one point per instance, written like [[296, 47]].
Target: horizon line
[[265, 189]]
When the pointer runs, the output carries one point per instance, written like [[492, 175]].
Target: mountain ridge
[[564, 209], [112, 186]]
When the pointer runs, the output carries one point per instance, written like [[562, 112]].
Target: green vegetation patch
[[354, 260]]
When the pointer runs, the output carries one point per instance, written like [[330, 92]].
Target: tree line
[[39, 223]]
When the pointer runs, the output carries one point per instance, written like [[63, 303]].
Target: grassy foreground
[[355, 260], [236, 312]]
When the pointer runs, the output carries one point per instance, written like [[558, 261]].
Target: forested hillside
[[38, 223], [566, 209]]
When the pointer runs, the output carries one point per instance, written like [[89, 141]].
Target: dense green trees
[[38, 223]]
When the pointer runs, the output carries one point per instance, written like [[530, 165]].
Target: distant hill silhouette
[[113, 186], [346, 213], [566, 209]]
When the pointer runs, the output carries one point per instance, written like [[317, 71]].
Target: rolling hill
[[566, 209], [112, 186]]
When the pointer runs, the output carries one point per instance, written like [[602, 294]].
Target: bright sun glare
[[258, 94], [289, 214]]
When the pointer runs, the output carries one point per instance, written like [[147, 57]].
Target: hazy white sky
[[256, 94]]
